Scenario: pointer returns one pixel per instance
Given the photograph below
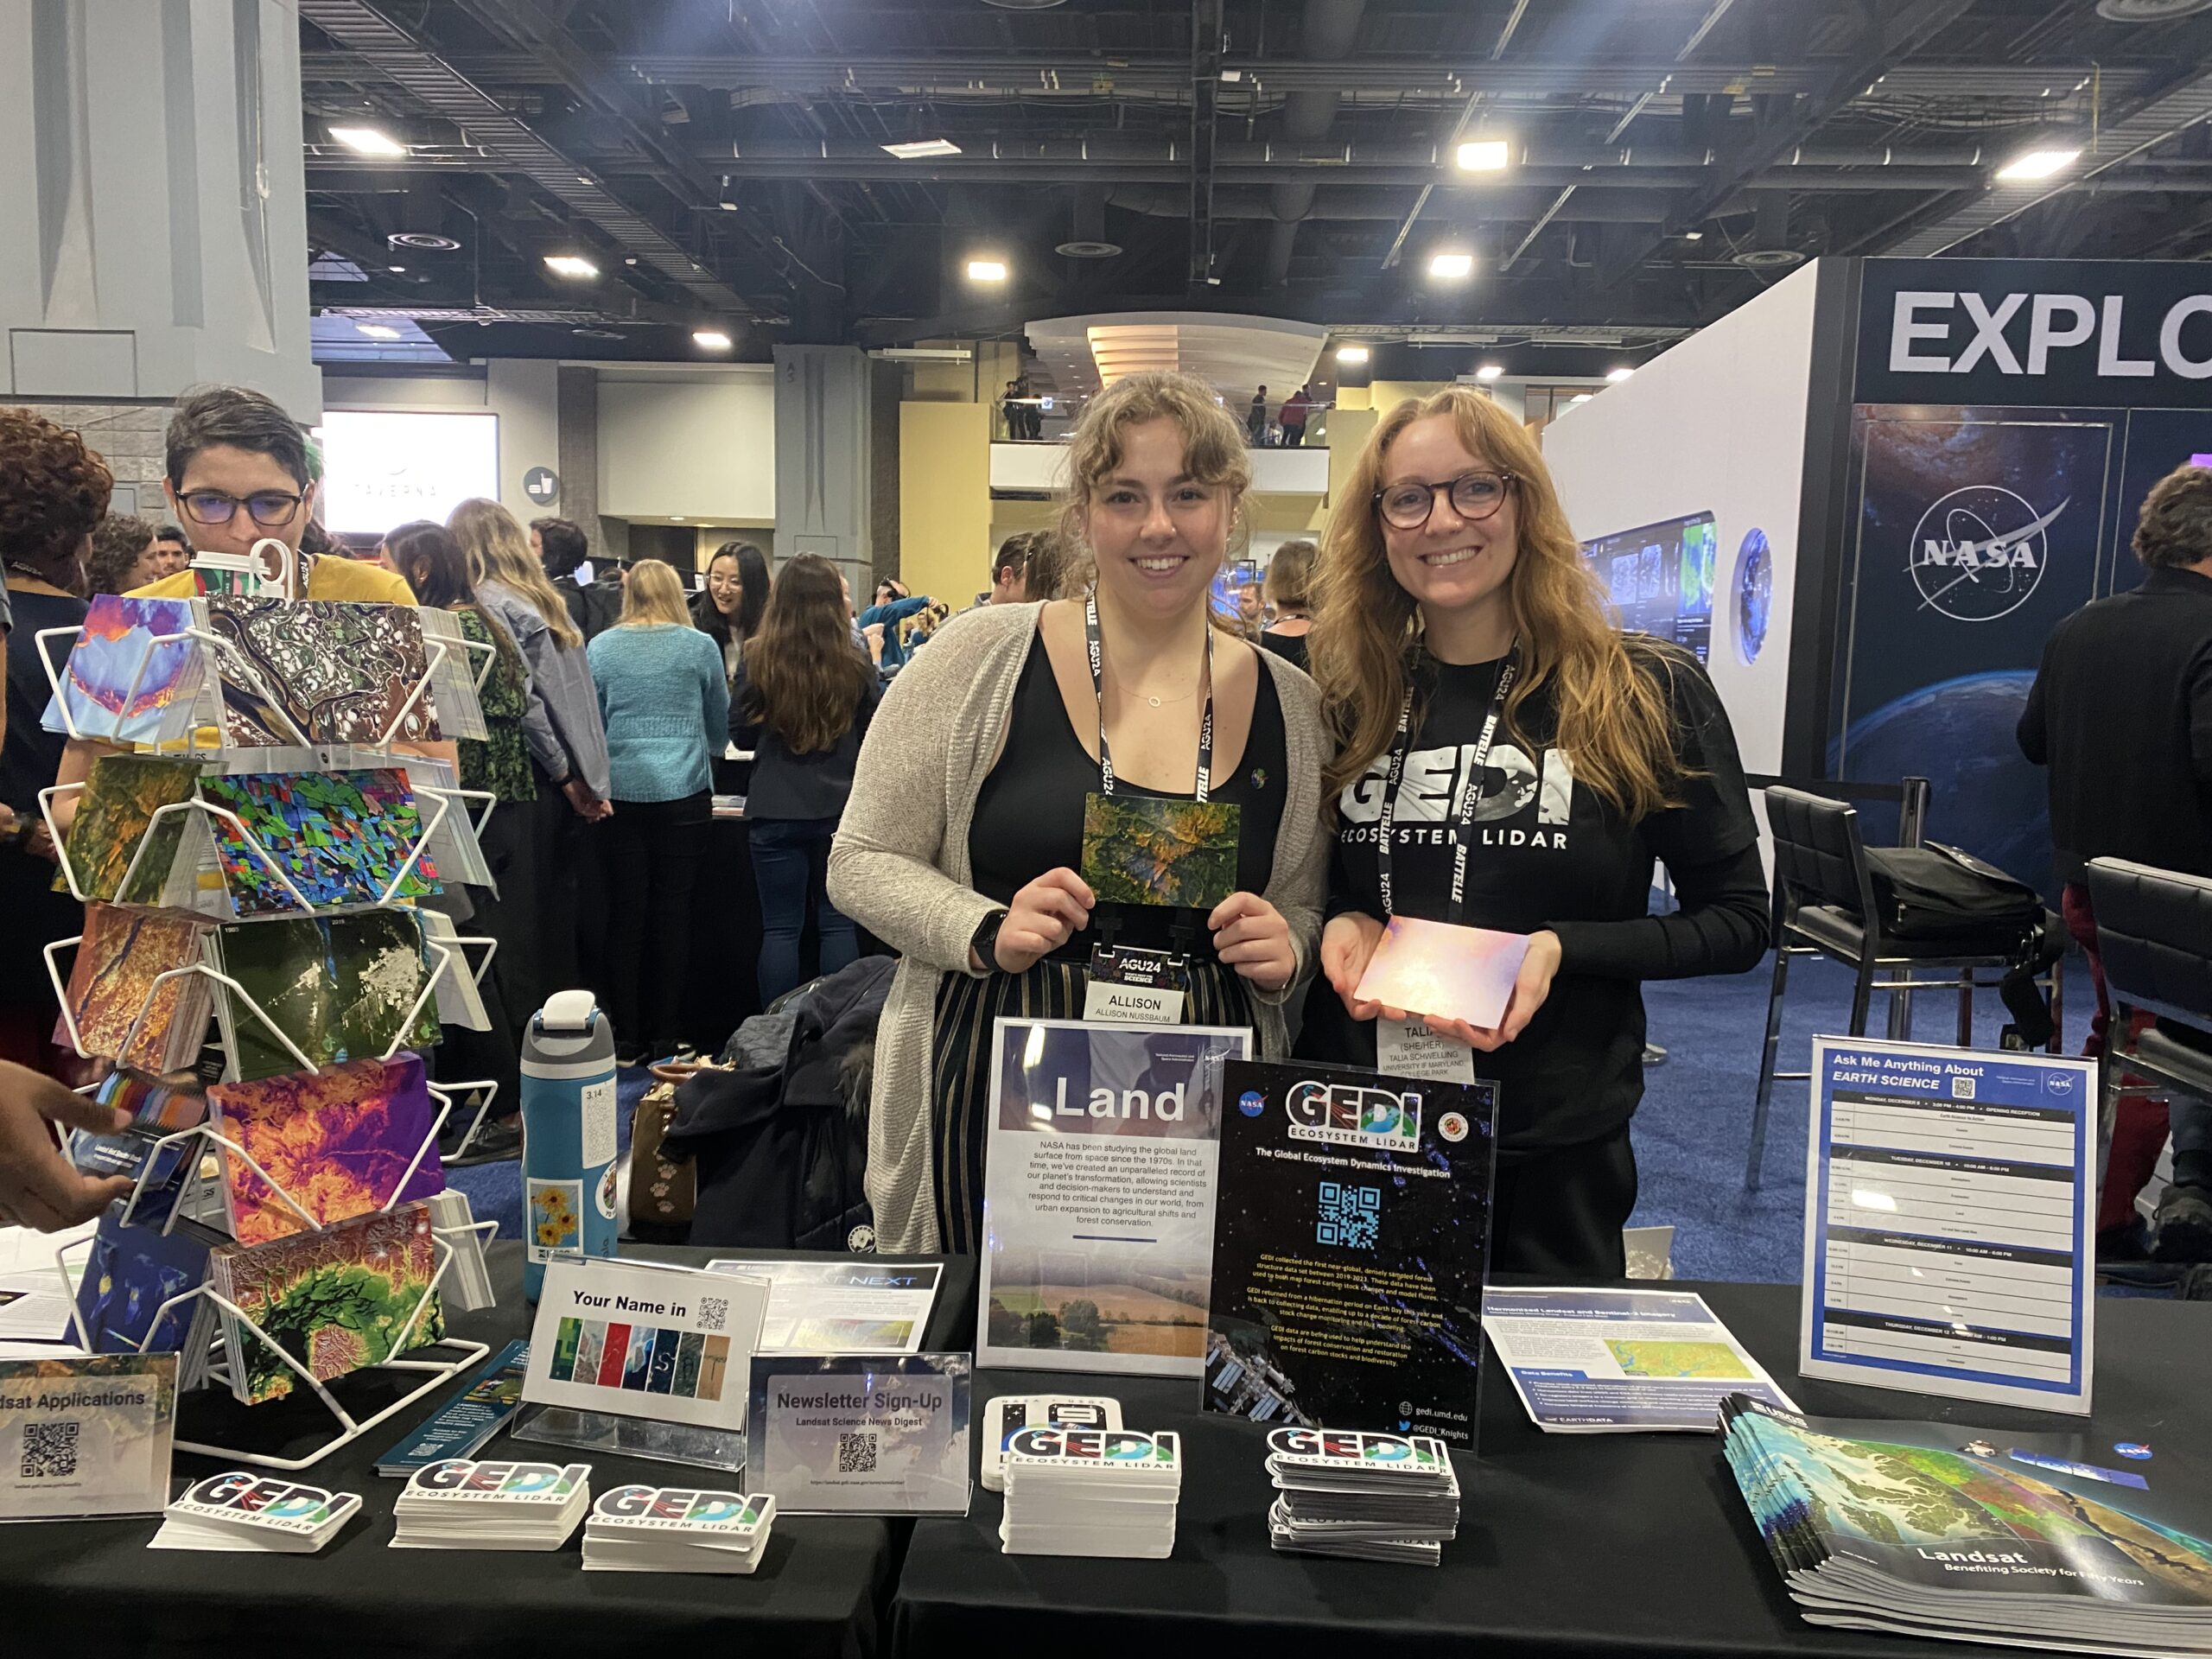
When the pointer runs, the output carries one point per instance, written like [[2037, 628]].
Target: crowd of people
[[1430, 712]]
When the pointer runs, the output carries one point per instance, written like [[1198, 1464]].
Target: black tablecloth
[[1567, 1543], [72, 1590]]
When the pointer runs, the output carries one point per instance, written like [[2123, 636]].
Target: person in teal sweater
[[666, 709]]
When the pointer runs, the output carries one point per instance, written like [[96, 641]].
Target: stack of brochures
[[676, 1529], [457, 1504], [1367, 1497], [249, 1512], [1939, 1529], [1088, 1491]]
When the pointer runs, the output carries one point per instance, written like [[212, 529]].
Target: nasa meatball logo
[[1978, 553]]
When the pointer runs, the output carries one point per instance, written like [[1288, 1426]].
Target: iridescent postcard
[[1452, 973]]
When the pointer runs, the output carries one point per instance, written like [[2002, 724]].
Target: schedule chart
[[1947, 1222]]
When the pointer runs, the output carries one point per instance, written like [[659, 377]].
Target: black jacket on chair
[[782, 1149]]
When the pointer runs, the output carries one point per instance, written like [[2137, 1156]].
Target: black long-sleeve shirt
[[1545, 852], [2121, 714]]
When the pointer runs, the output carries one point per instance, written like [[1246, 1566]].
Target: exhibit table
[[94, 1588], [1597, 1543]]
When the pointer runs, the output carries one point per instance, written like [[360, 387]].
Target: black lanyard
[[1470, 798], [1098, 687]]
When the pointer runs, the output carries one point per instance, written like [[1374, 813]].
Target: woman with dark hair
[[432, 562], [802, 702], [729, 607], [125, 556], [1454, 612], [54, 491]]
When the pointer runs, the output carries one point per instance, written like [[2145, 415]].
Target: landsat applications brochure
[[1350, 1237], [1595, 1361], [2061, 1542]]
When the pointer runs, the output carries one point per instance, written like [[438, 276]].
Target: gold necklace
[[1158, 703]]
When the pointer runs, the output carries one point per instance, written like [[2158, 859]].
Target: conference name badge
[[1407, 1048], [1131, 987]]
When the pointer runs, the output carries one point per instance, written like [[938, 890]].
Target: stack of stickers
[[243, 1511], [1090, 1491], [1009, 1414], [676, 1529], [1367, 1497], [458, 1504]]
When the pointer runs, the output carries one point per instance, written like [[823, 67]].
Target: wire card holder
[[446, 1244]]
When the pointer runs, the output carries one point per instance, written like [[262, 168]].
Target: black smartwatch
[[985, 944]]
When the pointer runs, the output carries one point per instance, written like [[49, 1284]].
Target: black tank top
[[1029, 812]]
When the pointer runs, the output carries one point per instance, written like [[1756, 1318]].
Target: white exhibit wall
[[696, 442], [1716, 424]]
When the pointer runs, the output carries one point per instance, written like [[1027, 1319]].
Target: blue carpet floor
[[1692, 1130], [1691, 1133]]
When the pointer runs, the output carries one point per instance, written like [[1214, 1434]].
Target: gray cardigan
[[561, 723], [899, 867]]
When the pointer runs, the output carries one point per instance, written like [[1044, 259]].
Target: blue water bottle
[[568, 1124]]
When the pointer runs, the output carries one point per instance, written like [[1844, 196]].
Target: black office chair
[[1824, 907], [2154, 933]]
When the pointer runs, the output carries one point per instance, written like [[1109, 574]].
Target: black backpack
[[1938, 892]]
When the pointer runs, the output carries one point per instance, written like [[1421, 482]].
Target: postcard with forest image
[[1145, 849]]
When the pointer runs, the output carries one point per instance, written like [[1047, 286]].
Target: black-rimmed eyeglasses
[[268, 508], [1475, 495]]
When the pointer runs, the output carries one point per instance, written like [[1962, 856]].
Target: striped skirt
[[968, 1013]]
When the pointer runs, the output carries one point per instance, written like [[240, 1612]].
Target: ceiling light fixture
[[1692, 236], [675, 517], [987, 271], [712, 339], [922, 149], [367, 141], [1486, 155], [1619, 375], [1452, 267], [377, 330], [1352, 353], [1580, 397], [1490, 371], [570, 264], [396, 270], [423, 241], [2039, 162]]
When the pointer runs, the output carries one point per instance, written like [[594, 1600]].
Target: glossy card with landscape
[[636, 1340], [129, 679], [323, 670], [1350, 1239], [344, 839], [122, 794], [342, 988], [340, 1142], [1149, 849], [1452, 973], [129, 998]]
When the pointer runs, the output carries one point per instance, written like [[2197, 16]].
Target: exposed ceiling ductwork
[[1331, 27]]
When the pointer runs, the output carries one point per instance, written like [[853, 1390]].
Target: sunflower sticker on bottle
[[556, 1217]]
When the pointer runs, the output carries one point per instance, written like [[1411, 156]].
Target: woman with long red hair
[[1493, 721]]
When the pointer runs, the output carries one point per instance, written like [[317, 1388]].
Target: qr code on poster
[[49, 1451], [855, 1454], [714, 1312], [1350, 1215]]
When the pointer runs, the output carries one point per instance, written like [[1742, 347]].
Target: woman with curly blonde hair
[[1511, 760], [963, 838]]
